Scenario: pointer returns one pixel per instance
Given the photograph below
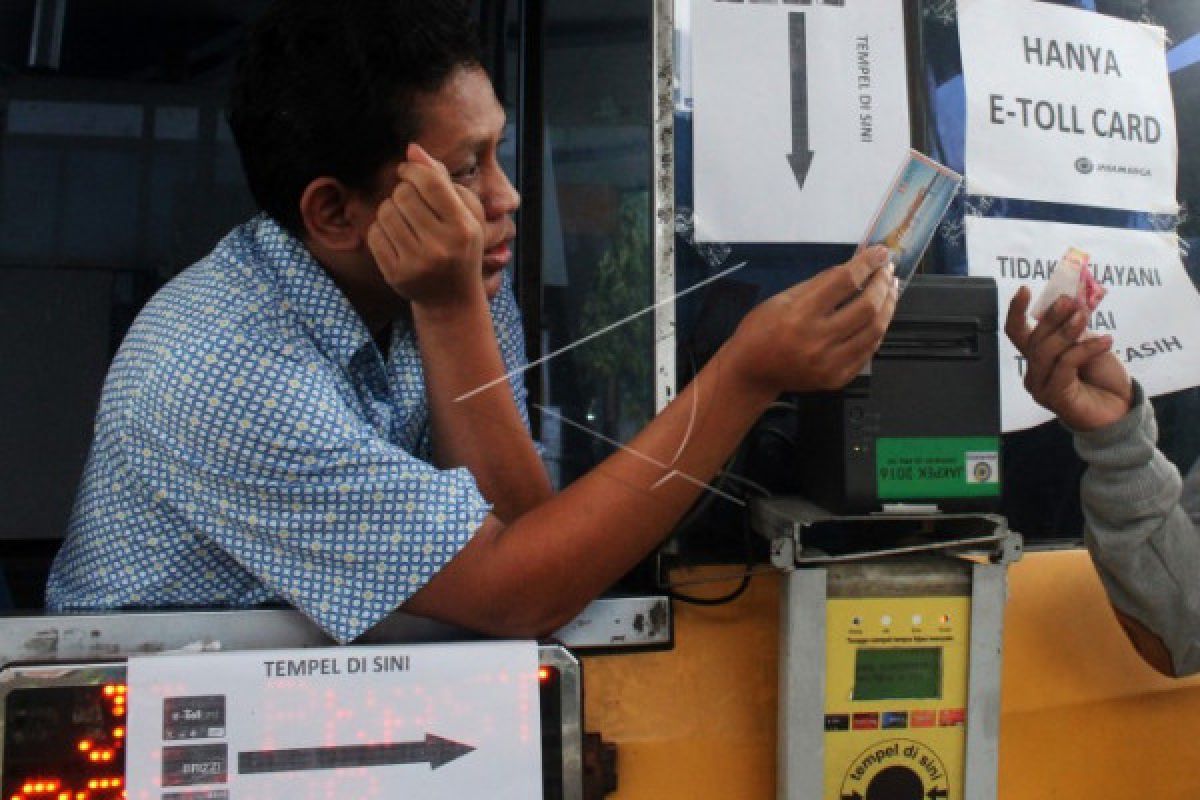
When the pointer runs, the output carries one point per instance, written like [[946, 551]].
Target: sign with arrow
[[801, 115], [429, 721]]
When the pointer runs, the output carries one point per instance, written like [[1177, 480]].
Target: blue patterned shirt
[[254, 446]]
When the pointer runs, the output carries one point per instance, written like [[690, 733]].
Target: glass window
[[116, 171], [596, 265]]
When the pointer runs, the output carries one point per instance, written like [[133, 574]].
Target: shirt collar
[[309, 291]]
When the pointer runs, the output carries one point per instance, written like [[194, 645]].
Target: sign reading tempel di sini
[[429, 721], [801, 117], [1067, 106]]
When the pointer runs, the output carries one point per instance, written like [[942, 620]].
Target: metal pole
[[531, 125]]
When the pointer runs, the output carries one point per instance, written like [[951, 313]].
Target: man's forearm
[[616, 514], [1143, 542], [483, 431]]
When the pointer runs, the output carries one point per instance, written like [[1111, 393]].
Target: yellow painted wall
[[1082, 716]]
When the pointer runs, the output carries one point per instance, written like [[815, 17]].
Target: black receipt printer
[[923, 428]]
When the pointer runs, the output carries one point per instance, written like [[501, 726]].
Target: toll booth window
[[898, 674], [1041, 470]]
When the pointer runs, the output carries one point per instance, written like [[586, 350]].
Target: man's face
[[462, 126]]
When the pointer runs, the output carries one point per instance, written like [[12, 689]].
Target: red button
[[922, 719], [952, 716], [865, 722]]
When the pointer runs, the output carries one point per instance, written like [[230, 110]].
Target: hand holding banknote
[[1077, 377]]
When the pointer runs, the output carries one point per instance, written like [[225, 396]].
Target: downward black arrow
[[938, 794], [801, 157], [852, 796], [435, 750]]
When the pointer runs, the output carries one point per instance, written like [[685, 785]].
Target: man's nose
[[500, 196]]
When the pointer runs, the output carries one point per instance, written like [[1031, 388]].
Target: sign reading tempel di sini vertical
[[1067, 106], [801, 117]]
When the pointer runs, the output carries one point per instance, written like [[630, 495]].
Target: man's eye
[[467, 173]]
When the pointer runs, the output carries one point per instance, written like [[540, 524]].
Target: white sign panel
[[1152, 310], [801, 117], [428, 721], [1067, 106]]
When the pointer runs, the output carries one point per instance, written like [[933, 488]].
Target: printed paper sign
[[801, 116], [1067, 106], [429, 721], [1151, 310]]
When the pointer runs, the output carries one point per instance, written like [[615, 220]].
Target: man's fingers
[[431, 187], [419, 155], [1060, 315], [864, 309], [1044, 355], [1066, 369], [854, 352], [834, 286], [395, 227], [1016, 326], [419, 216]]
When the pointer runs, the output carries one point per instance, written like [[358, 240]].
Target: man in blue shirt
[[327, 410]]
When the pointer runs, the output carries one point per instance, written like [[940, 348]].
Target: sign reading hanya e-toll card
[[1067, 106]]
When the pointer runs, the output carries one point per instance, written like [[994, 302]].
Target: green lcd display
[[898, 673]]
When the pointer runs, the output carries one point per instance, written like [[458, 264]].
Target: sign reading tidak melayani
[[1152, 309], [1067, 106]]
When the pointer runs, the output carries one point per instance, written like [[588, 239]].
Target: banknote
[[1071, 278]]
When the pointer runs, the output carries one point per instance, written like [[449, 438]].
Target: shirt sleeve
[[267, 461], [1141, 530]]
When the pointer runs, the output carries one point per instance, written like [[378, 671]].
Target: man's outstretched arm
[[530, 577]]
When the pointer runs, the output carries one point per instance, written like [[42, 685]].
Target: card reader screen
[[898, 673]]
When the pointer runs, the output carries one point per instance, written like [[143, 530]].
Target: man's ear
[[333, 215]]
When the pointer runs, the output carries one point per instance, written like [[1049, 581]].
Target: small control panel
[[896, 697]]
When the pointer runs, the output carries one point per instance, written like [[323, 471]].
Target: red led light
[[543, 674], [118, 733], [84, 745]]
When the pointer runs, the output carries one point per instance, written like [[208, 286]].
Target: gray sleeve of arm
[[1141, 529]]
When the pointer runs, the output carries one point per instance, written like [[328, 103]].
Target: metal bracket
[[787, 522]]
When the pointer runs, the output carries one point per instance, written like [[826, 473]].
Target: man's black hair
[[326, 88]]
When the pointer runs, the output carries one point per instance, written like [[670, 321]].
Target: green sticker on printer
[[929, 468]]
